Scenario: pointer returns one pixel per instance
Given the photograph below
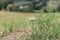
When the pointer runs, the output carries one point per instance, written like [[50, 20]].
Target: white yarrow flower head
[[32, 18]]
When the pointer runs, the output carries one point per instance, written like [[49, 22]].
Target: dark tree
[[39, 4], [45, 11], [54, 10], [58, 8]]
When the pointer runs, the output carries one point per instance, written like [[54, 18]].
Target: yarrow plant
[[47, 28]]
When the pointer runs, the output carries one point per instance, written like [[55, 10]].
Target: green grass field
[[47, 24]]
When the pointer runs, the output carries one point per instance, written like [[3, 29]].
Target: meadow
[[45, 27]]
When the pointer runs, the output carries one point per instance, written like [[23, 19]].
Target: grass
[[47, 25]]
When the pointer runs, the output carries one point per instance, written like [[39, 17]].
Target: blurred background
[[30, 5]]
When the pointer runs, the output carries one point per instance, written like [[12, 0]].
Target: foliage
[[1, 5], [22, 3], [6, 0], [47, 25], [47, 28], [26, 8], [13, 8], [58, 8]]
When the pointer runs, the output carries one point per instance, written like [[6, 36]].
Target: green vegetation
[[33, 4], [47, 25], [22, 3], [21, 7], [46, 28]]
